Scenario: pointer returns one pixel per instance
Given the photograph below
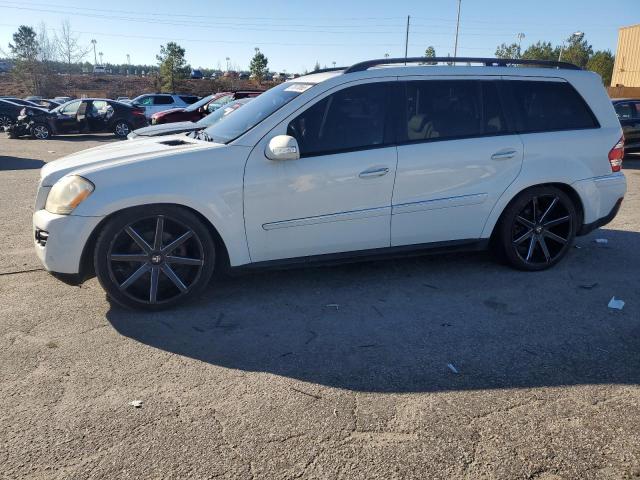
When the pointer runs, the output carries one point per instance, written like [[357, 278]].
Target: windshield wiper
[[202, 135]]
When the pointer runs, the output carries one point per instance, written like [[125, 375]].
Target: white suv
[[360, 161], [159, 102]]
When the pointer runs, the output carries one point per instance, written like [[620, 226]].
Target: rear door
[[457, 155], [99, 113]]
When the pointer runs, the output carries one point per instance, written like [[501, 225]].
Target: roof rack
[[489, 62], [331, 69]]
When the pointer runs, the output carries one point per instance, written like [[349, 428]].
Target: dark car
[[20, 101], [183, 127], [80, 116], [201, 108], [628, 110], [9, 112], [196, 74], [48, 104]]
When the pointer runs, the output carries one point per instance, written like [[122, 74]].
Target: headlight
[[67, 194]]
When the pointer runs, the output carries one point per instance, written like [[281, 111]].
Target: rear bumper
[[601, 199]]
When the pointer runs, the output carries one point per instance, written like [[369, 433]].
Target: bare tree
[[48, 51], [69, 47]]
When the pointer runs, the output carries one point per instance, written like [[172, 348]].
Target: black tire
[[5, 121], [537, 229], [40, 131], [121, 128], [128, 259]]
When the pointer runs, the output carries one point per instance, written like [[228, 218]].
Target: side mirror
[[282, 147]]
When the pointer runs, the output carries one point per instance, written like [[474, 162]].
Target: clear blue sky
[[296, 34]]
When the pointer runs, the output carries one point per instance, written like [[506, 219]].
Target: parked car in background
[[243, 76], [158, 102], [182, 127], [196, 74], [628, 111], [20, 101], [48, 104], [34, 98], [123, 99], [201, 108], [79, 116], [62, 100], [9, 113]]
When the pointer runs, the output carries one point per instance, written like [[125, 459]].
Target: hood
[[118, 153], [166, 129], [167, 112]]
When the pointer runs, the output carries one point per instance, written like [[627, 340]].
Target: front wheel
[[41, 131], [154, 257], [538, 228], [5, 121], [121, 129]]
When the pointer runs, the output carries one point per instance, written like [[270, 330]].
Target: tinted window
[[162, 100], [143, 101], [442, 109], [189, 98], [548, 106], [628, 110], [352, 118]]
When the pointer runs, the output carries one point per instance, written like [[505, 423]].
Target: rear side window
[[549, 106], [351, 119], [448, 109], [162, 100], [189, 99]]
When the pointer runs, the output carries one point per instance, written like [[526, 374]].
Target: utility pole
[[100, 55], [406, 40], [520, 37], [95, 58], [455, 48]]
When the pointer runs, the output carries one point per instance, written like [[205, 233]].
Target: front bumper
[[65, 237], [601, 198]]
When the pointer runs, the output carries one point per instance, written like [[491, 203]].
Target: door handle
[[503, 155], [376, 172]]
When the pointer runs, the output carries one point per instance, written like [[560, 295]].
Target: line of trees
[[576, 49]]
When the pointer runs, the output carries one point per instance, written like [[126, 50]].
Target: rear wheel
[[121, 129], [154, 257], [41, 131], [538, 228], [5, 121]]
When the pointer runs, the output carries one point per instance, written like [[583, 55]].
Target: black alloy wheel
[[538, 228], [155, 260]]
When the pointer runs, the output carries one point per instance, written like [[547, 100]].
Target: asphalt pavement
[[437, 367]]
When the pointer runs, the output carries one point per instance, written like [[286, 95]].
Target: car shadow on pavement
[[449, 322], [17, 163]]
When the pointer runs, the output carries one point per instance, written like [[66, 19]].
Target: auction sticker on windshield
[[299, 87]]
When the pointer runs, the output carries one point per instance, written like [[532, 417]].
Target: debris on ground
[[602, 241], [136, 403], [317, 397], [616, 304], [51, 151], [589, 286], [332, 305], [577, 246], [452, 368]]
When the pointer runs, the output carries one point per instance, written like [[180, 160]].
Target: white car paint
[[269, 210]]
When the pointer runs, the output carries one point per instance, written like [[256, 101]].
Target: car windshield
[[198, 104], [221, 113], [232, 126]]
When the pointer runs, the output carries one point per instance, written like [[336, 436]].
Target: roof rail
[[332, 69], [489, 62]]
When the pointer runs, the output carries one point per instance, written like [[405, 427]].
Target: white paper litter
[[452, 368], [136, 403], [602, 241], [51, 151], [616, 304], [333, 305]]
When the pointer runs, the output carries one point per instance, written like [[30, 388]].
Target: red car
[[201, 108]]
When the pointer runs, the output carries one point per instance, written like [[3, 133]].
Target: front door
[[337, 196], [66, 118], [98, 114], [456, 159]]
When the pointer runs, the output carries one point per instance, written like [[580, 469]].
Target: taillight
[[138, 112], [616, 155]]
